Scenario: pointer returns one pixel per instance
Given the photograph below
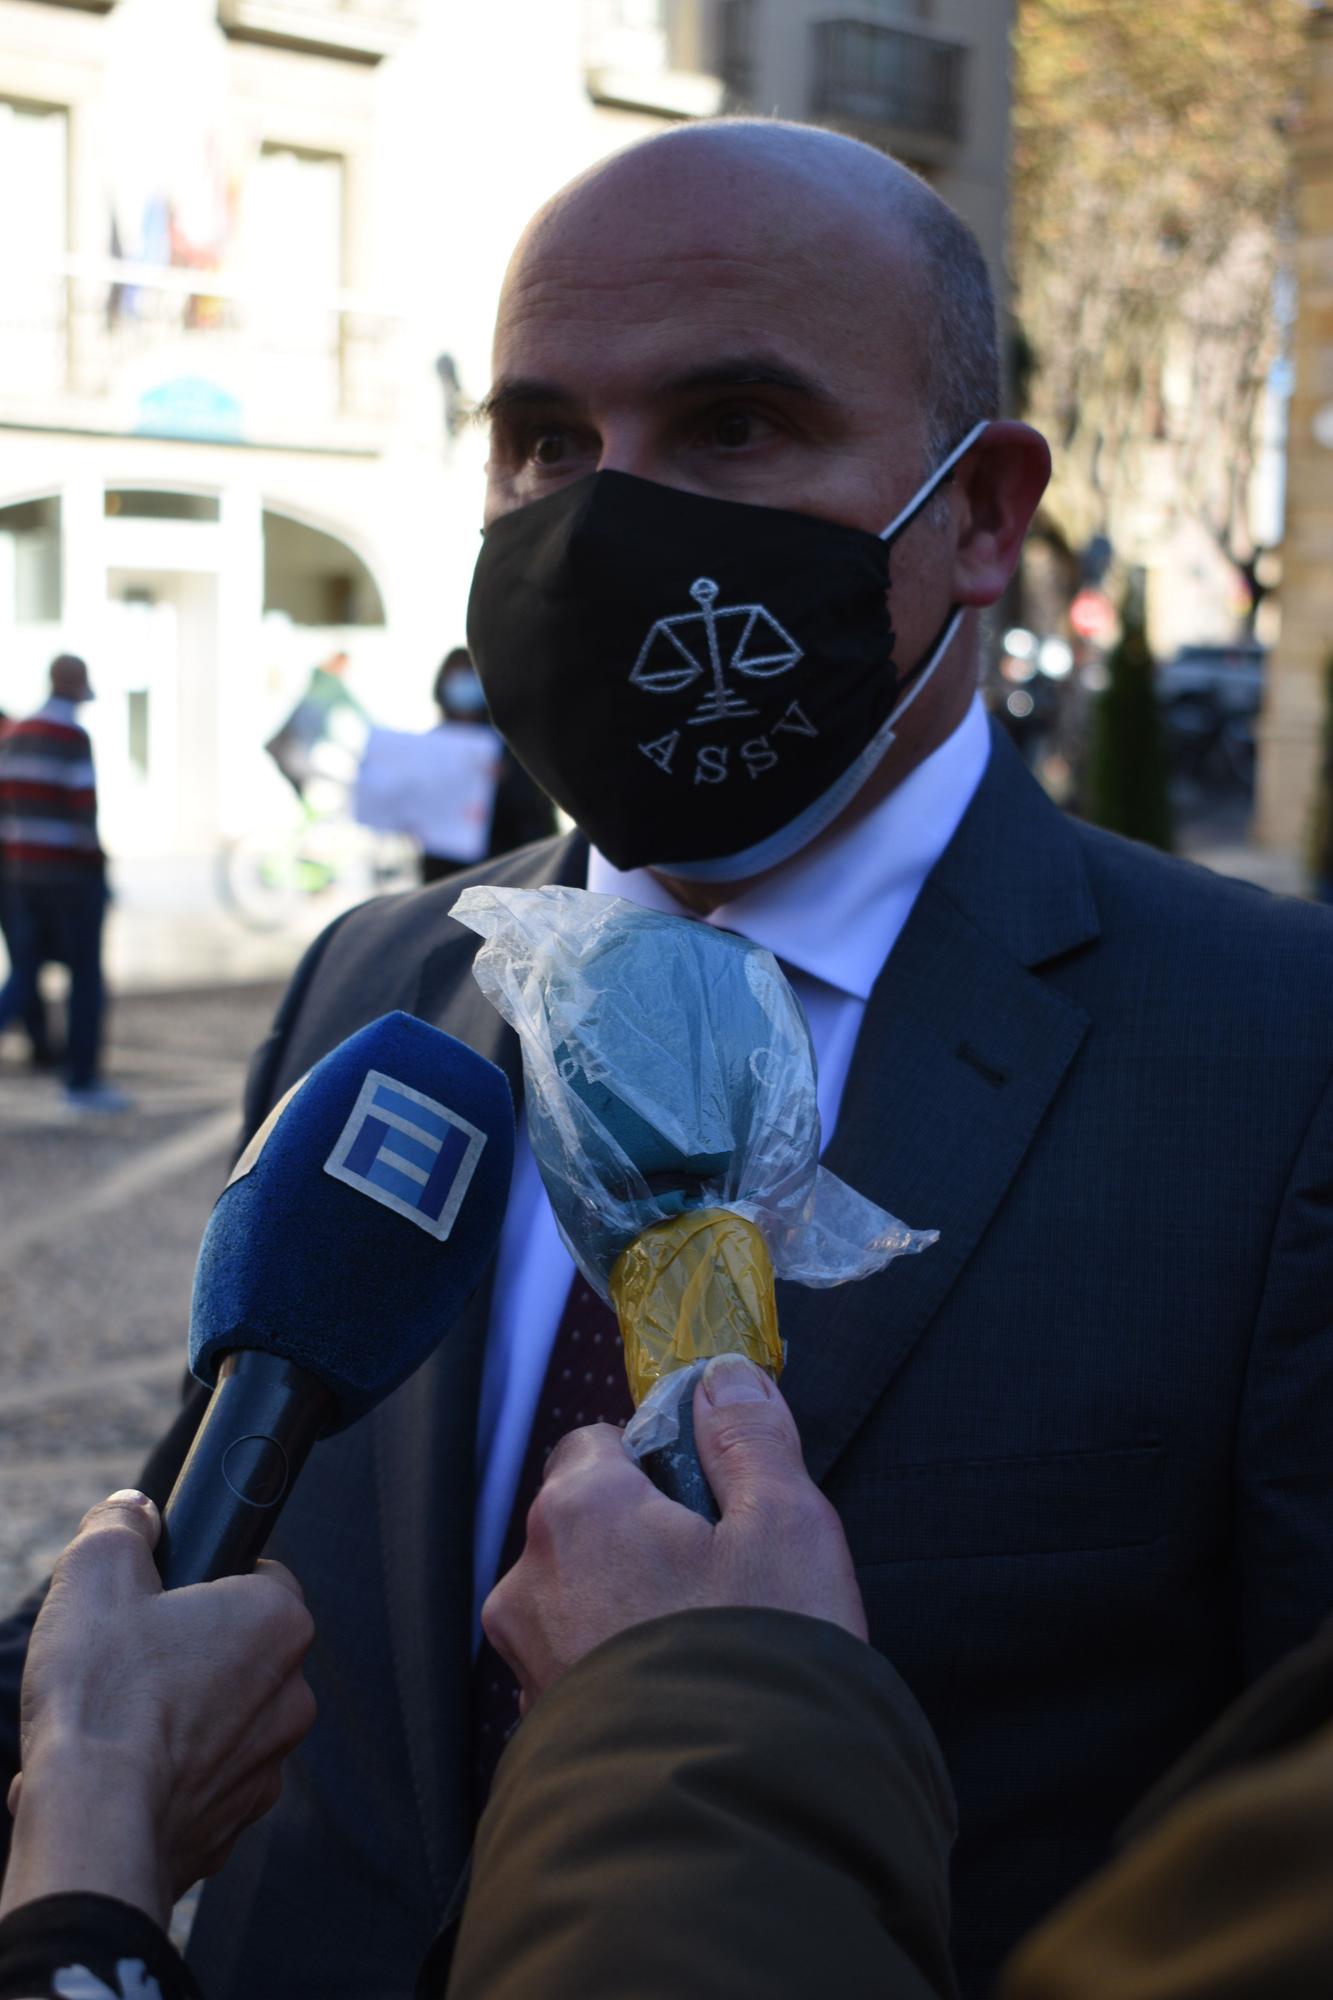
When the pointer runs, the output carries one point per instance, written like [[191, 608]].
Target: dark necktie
[[585, 1384]]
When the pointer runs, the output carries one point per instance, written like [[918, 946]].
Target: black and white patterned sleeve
[[89, 1948]]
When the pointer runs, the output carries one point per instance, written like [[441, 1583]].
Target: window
[[659, 56], [292, 237], [34, 147], [141, 503], [34, 144], [738, 45], [30, 571], [292, 254], [631, 34]]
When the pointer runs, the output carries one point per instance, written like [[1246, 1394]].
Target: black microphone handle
[[256, 1434], [675, 1469]]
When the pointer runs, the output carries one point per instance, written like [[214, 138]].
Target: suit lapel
[[961, 1051], [425, 1443]]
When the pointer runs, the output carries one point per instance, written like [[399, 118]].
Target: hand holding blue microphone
[[154, 1723]]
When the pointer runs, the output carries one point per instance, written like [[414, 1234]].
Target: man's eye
[[548, 447], [734, 429]]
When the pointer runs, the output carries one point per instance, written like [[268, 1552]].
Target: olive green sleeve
[[739, 1803]]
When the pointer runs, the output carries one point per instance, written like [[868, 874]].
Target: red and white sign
[[1093, 616]]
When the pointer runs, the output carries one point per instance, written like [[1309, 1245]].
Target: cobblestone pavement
[[100, 1219]]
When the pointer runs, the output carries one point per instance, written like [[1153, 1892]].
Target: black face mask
[[701, 684]]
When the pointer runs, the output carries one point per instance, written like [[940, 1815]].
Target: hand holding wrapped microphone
[[605, 1551], [670, 1088]]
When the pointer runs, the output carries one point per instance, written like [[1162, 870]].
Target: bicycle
[[269, 876]]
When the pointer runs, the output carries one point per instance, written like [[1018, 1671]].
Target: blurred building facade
[[250, 254], [1300, 679]]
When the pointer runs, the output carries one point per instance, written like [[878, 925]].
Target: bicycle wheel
[[264, 879]]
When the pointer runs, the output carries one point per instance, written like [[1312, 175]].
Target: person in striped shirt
[[36, 1018], [53, 872]]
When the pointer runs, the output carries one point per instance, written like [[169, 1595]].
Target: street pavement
[[100, 1219]]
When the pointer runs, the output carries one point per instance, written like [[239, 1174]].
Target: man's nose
[[634, 448]]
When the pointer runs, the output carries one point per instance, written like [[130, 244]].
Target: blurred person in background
[[456, 790], [36, 1019], [522, 812], [53, 875], [323, 737]]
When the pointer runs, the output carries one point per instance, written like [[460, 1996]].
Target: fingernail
[[128, 1496], [730, 1378]]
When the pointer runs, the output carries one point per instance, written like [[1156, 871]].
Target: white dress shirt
[[831, 916]]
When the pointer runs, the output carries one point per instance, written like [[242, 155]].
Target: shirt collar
[[835, 911]]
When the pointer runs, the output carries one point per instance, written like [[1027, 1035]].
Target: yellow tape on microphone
[[697, 1285]]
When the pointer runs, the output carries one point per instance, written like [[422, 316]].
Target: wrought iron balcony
[[156, 351], [869, 75], [358, 30]]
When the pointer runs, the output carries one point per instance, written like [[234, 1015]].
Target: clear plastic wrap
[[668, 1070]]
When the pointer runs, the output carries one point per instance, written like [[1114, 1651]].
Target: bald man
[[748, 492]]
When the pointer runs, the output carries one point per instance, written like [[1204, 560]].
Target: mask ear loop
[[927, 667], [926, 492], [918, 679]]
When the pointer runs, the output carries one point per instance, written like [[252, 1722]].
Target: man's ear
[[996, 491]]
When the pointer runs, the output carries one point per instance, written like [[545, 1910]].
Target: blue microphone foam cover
[[361, 1216]]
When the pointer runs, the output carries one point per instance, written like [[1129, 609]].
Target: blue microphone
[[354, 1228]]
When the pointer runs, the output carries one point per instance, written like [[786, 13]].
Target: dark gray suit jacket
[[1082, 1448]]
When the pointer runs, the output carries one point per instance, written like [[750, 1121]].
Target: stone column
[[1289, 735]]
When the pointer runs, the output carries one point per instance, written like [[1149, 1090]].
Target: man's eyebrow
[[522, 393], [728, 371], [749, 371]]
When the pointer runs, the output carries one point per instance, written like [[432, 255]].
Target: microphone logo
[[407, 1152]]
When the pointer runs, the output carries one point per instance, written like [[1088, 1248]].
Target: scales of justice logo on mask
[[716, 651]]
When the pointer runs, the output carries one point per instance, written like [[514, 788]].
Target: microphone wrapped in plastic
[[670, 1087], [354, 1228]]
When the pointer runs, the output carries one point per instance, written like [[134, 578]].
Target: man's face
[[726, 340]]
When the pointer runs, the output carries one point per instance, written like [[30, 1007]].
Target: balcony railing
[[359, 30], [868, 74], [142, 348]]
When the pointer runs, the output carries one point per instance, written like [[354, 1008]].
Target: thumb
[[746, 1437], [122, 1531], [127, 1508]]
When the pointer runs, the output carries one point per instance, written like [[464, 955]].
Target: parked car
[[1210, 696], [1230, 676]]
